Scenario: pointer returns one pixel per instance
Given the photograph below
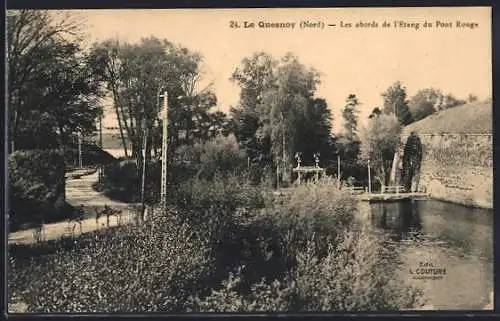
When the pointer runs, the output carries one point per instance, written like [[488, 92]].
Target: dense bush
[[318, 211], [355, 276], [127, 269], [121, 181], [223, 210], [36, 186], [220, 155], [226, 192], [308, 254]]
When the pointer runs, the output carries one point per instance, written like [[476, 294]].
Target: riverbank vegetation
[[223, 245]]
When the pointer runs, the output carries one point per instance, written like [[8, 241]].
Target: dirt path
[[79, 191]]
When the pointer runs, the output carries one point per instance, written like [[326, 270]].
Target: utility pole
[[164, 117], [143, 186], [100, 142], [80, 162], [283, 142], [369, 178], [338, 166], [100, 129]]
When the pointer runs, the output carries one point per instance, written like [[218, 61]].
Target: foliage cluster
[[53, 85], [279, 113], [126, 269], [36, 186], [316, 258], [220, 155]]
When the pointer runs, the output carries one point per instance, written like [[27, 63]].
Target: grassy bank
[[221, 246]]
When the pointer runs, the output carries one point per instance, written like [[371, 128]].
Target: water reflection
[[402, 219], [468, 230], [455, 237]]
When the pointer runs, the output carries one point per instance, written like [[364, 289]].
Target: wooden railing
[[354, 190], [393, 189], [384, 190]]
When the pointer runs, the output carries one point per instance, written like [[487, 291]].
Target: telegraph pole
[[80, 162], [164, 117], [143, 186], [100, 142], [283, 143], [369, 178], [100, 129], [338, 167]]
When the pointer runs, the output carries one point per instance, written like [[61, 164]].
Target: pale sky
[[362, 61]]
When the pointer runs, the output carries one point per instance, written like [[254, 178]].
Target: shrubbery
[[121, 181], [224, 211], [231, 247], [355, 276], [36, 186], [219, 156], [309, 254], [127, 269]]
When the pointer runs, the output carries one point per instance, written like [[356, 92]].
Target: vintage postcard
[[250, 160]]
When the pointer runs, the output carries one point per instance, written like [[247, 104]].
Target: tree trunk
[[100, 130], [384, 175], [120, 127], [14, 126], [117, 104]]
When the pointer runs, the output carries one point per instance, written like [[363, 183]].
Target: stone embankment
[[457, 164]]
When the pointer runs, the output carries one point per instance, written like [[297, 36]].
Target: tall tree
[[137, 74], [395, 103], [52, 89], [283, 109], [106, 54], [412, 160], [278, 107], [314, 131], [254, 76], [379, 141], [350, 114], [425, 102]]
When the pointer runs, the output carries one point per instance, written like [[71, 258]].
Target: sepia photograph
[[335, 160]]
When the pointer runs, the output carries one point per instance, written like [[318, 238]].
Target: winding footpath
[[79, 191]]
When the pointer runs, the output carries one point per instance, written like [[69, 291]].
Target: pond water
[[447, 249]]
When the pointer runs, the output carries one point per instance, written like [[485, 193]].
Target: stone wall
[[457, 167]]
